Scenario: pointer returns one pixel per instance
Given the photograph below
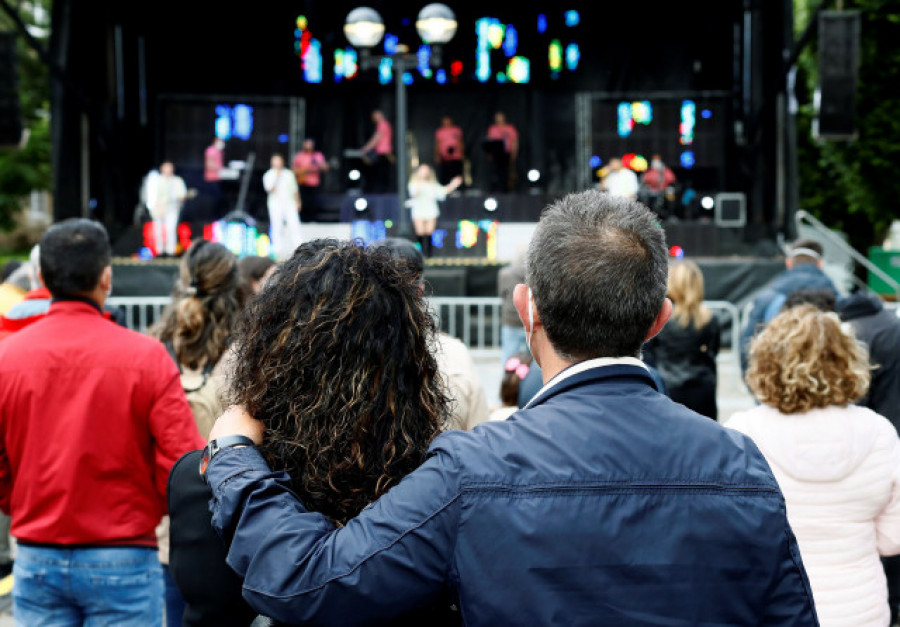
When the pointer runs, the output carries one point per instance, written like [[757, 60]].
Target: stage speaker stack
[[10, 115], [839, 33]]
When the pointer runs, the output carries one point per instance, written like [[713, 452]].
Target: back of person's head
[[515, 369], [404, 250], [8, 268], [73, 255], [253, 269], [597, 265], [333, 356], [806, 359], [206, 302], [686, 292], [806, 251], [823, 299]]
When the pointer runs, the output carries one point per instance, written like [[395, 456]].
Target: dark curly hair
[[206, 303], [333, 356]]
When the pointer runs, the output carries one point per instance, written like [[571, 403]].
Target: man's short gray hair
[[598, 268]]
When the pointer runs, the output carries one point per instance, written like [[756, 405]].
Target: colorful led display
[[688, 121], [519, 70]]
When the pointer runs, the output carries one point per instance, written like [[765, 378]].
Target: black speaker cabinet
[[839, 33], [10, 114]]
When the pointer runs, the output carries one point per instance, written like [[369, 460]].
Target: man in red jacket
[[92, 417]]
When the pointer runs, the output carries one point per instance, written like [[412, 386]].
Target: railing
[[474, 320], [139, 312]]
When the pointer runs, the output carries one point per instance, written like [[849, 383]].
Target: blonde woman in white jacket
[[838, 464]]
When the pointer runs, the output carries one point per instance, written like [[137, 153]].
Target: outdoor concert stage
[[472, 244]]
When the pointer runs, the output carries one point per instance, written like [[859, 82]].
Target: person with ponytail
[[684, 352], [197, 328]]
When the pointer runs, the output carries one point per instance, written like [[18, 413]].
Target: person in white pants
[[164, 195], [284, 208]]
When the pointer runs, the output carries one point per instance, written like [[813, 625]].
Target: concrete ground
[[732, 396]]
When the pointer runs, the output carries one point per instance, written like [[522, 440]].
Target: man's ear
[[105, 282], [522, 303], [662, 318]]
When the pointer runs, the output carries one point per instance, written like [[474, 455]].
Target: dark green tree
[[852, 185], [26, 169]]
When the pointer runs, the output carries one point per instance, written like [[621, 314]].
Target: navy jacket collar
[[600, 373]]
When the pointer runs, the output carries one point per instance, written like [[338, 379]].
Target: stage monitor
[[731, 209]]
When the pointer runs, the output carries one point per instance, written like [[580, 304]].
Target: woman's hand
[[236, 421]]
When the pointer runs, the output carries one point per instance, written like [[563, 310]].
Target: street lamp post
[[436, 25]]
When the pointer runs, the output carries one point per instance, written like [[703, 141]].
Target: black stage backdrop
[[119, 62]]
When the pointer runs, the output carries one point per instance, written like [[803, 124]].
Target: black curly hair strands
[[333, 356]]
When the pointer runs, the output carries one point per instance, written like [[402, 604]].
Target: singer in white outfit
[[284, 208], [164, 193]]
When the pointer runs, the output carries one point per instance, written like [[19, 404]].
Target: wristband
[[218, 445]]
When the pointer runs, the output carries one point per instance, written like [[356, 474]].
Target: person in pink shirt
[[308, 165], [449, 150], [505, 160], [214, 160], [379, 151]]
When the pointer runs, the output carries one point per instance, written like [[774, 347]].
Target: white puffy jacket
[[839, 470]]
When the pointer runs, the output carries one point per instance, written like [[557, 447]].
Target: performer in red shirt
[[449, 150]]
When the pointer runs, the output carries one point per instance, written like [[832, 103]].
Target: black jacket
[[879, 329], [685, 356]]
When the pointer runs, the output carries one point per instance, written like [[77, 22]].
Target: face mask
[[530, 320], [656, 165]]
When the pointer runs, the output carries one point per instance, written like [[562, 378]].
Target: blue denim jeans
[[91, 587]]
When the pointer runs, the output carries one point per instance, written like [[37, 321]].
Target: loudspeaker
[[10, 115], [731, 209], [839, 33]]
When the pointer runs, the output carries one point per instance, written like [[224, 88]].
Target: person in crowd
[[197, 328], [684, 352], [468, 402], [449, 150], [512, 333], [255, 270], [657, 187], [803, 269], [35, 302], [10, 266], [578, 510], [822, 298], [309, 164], [164, 194], [836, 462], [378, 152], [879, 329], [213, 165], [283, 203], [619, 180], [424, 194], [14, 287], [515, 369], [92, 417], [334, 356], [504, 160]]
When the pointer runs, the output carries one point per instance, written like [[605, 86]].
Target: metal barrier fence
[[474, 320]]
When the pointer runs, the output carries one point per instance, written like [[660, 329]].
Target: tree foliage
[[852, 185], [26, 169]]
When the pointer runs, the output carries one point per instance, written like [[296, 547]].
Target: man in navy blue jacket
[[601, 502]]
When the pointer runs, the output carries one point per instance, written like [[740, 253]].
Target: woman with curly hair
[[684, 352], [333, 357], [197, 327], [838, 464]]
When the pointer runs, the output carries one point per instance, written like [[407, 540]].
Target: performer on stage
[[449, 150], [379, 151], [213, 164], [503, 175], [308, 165], [283, 203], [424, 194], [619, 180], [164, 194], [658, 187]]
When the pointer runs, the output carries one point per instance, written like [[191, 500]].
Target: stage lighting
[[354, 175], [534, 175], [361, 204], [490, 204], [707, 202]]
